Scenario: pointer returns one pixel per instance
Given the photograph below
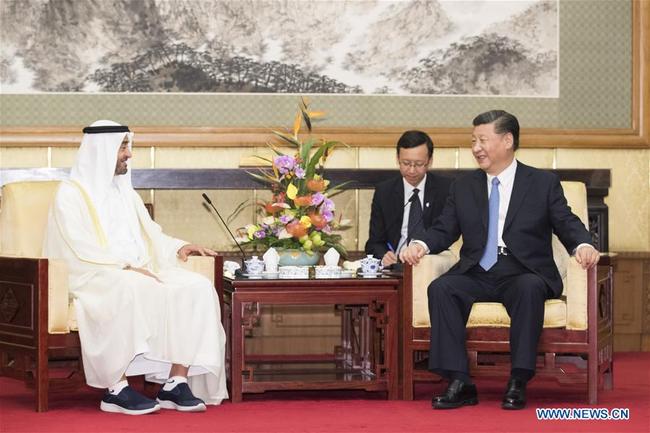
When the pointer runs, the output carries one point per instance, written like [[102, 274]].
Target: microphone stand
[[243, 254]]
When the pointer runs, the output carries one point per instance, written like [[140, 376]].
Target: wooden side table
[[366, 359]]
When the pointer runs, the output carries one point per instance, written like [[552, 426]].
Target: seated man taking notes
[[403, 204]]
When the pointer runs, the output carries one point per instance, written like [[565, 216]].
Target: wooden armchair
[[38, 330], [576, 343]]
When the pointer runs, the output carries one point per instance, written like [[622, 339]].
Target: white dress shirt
[[506, 181], [408, 192]]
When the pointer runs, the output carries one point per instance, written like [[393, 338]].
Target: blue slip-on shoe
[[180, 398], [128, 401]]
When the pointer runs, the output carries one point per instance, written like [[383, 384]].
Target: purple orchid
[[284, 163], [284, 219], [317, 198], [328, 215], [299, 172], [260, 234], [328, 205]]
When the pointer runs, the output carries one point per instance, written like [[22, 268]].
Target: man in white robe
[[138, 313]]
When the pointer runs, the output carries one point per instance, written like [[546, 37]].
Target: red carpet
[[339, 411]]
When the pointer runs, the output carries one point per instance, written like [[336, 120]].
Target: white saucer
[[253, 276], [270, 275]]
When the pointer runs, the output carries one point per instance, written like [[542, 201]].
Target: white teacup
[[370, 265], [254, 266]]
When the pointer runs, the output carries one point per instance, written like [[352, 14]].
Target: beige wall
[[181, 213]]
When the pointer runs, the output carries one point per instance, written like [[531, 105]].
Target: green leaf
[[264, 178], [237, 210], [288, 138], [306, 148], [311, 167], [305, 115], [338, 189]]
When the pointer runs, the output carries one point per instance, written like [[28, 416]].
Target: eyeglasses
[[413, 164]]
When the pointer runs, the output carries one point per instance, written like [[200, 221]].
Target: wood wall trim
[[636, 137], [147, 136]]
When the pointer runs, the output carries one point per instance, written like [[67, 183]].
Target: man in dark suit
[[506, 213], [406, 203]]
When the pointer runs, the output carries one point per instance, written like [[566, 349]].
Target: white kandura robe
[[129, 322]]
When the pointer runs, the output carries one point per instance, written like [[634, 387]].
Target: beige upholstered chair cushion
[[23, 217], [494, 314], [569, 312]]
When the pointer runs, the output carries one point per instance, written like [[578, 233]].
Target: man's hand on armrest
[[587, 256], [412, 253], [194, 250]]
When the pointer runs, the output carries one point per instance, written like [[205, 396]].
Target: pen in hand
[[392, 260]]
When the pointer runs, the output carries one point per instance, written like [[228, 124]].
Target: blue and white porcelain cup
[[254, 266], [370, 265]]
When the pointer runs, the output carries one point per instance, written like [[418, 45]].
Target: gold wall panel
[[343, 157], [63, 157], [182, 215], [365, 206], [387, 157], [23, 157], [540, 158], [201, 157], [629, 195], [445, 158], [377, 158], [346, 208]]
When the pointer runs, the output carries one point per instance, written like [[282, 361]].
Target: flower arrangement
[[301, 213]]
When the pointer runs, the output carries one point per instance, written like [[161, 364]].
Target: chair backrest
[[576, 196], [23, 216]]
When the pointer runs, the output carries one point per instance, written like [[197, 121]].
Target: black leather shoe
[[515, 397], [458, 394]]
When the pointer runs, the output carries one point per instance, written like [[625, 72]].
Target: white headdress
[[94, 168]]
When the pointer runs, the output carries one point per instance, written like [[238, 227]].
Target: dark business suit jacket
[[537, 209], [388, 210]]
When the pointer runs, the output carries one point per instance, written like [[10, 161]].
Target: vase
[[293, 257]]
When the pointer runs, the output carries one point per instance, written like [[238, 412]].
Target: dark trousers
[[450, 301]]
